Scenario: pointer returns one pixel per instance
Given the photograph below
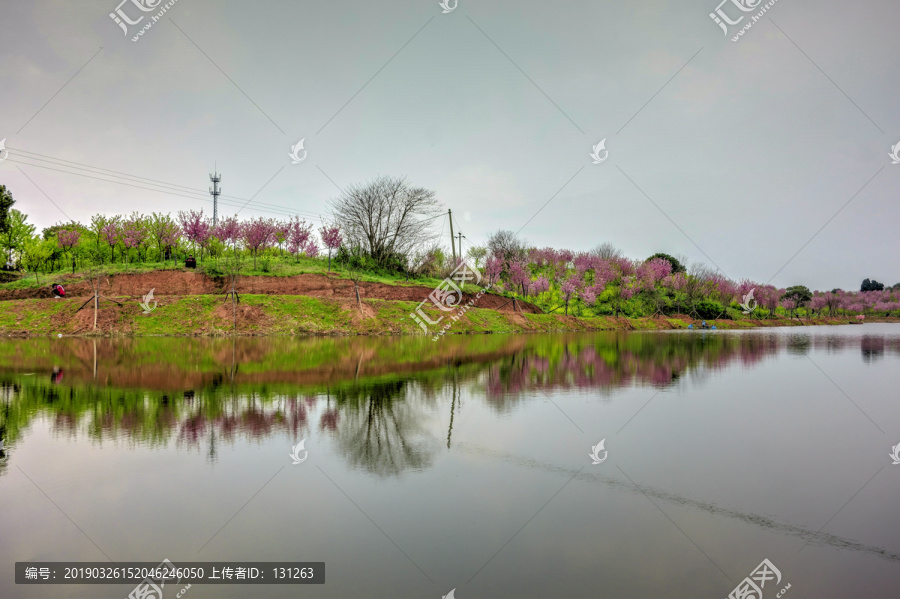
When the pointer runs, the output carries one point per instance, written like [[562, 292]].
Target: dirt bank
[[177, 282]]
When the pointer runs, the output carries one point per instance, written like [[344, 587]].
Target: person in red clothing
[[57, 290]]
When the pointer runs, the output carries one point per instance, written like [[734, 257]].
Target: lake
[[471, 464]]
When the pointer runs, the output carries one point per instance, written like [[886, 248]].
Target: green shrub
[[710, 309], [213, 271]]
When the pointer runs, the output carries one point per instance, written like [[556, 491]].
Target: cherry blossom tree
[[197, 229], [588, 295], [228, 230], [492, 268], [624, 291], [539, 285], [519, 276], [818, 303], [331, 237], [67, 238], [767, 296], [170, 237], [568, 289], [112, 233], [648, 275], [134, 233], [832, 302], [163, 228], [583, 262], [299, 232], [257, 233], [654, 270], [604, 273]]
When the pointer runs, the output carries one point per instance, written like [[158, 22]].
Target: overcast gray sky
[[734, 154]]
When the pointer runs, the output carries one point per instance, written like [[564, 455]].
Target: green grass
[[209, 315], [32, 315], [296, 315]]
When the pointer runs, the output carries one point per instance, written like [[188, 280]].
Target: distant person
[[57, 290], [56, 375]]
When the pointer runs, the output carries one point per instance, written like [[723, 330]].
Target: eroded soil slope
[[176, 282]]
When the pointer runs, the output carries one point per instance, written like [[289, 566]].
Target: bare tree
[[355, 275], [607, 251], [506, 245], [387, 217], [702, 271], [95, 275], [233, 263]]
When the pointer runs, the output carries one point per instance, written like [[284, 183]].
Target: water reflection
[[382, 427], [872, 348], [202, 392], [376, 399]]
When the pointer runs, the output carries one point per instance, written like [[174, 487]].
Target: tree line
[[388, 225]]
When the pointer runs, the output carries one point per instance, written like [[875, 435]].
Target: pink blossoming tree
[[299, 232], [331, 237], [257, 234], [67, 239]]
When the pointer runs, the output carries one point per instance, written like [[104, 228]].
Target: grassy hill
[[284, 297]]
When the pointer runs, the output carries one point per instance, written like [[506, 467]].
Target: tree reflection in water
[[382, 428], [372, 396]]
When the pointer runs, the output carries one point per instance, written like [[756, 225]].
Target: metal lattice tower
[[215, 191]]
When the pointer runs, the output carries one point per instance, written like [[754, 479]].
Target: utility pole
[[215, 191], [452, 240], [459, 244]]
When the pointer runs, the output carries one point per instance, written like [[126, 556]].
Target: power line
[[42, 191], [111, 176], [279, 212], [138, 179], [200, 195]]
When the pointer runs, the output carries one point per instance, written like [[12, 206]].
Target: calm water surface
[[463, 464]]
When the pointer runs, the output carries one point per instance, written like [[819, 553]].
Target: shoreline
[[269, 315]]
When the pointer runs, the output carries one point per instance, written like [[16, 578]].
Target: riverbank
[[270, 314]]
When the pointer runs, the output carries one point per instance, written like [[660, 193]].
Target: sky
[[767, 158]]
